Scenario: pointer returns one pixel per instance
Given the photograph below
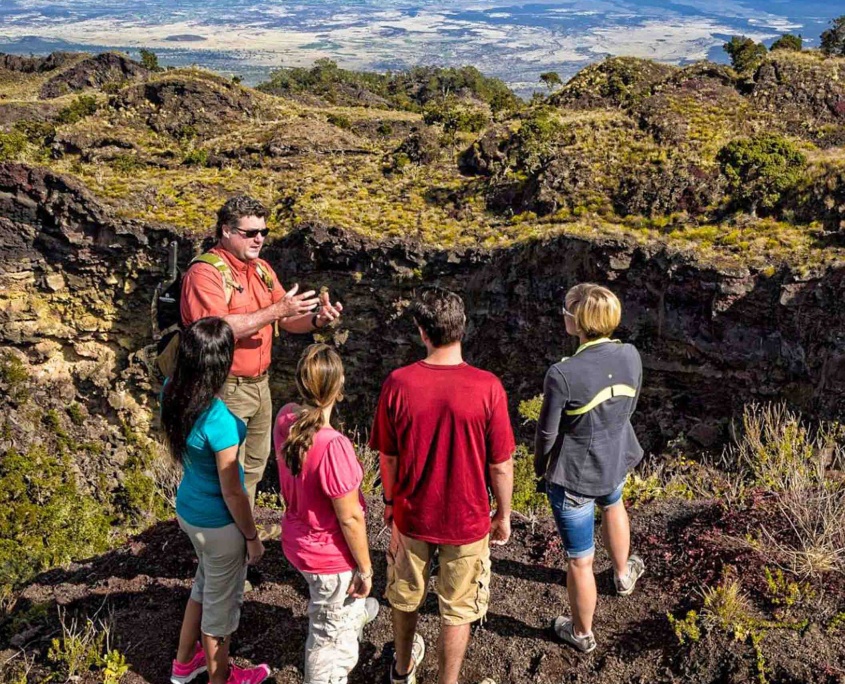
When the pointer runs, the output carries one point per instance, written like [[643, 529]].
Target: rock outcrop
[[94, 72]]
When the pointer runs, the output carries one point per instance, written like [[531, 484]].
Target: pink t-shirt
[[312, 538]]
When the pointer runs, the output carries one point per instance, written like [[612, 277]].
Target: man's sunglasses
[[252, 234], [566, 312]]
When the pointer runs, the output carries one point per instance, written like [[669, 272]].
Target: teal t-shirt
[[199, 499]]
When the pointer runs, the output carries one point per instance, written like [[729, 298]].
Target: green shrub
[[761, 170], [526, 499], [12, 145], [686, 630], [14, 376], [529, 409], [745, 54], [82, 107], [788, 41], [149, 60], [339, 120], [38, 132], [126, 163], [833, 40], [196, 157], [45, 520]]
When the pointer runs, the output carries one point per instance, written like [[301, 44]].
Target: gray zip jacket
[[585, 441]]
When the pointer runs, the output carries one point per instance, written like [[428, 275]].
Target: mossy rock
[[187, 104], [615, 82]]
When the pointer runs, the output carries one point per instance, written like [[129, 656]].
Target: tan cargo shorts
[[463, 581]]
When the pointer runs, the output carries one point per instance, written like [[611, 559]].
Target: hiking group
[[445, 441]]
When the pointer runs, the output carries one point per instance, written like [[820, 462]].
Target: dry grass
[[797, 468]]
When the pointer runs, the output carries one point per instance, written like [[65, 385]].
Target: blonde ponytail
[[319, 379]]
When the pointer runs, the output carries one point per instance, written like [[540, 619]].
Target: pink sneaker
[[182, 674], [247, 675]]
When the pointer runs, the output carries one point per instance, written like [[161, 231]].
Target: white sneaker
[[625, 585], [417, 655], [371, 608]]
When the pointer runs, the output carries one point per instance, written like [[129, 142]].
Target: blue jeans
[[575, 517]]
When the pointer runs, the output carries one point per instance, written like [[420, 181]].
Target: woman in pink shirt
[[324, 534]]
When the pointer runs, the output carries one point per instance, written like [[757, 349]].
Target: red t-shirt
[[445, 424], [312, 538]]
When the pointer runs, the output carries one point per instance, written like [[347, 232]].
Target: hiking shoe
[[371, 607], [565, 630], [247, 675], [183, 673], [269, 532], [625, 585], [417, 655]]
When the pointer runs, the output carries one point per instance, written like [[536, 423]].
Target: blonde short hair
[[596, 309]]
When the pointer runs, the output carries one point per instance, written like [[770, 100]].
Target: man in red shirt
[[442, 429], [243, 290]]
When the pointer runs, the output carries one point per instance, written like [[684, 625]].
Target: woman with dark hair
[[211, 504], [324, 534]]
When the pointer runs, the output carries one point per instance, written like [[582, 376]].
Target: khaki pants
[[334, 628], [219, 582], [250, 401]]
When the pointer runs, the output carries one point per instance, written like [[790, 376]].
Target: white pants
[[334, 626]]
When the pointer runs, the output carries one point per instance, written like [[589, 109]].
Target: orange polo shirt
[[203, 295]]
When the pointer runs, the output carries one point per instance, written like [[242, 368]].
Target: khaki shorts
[[463, 581]]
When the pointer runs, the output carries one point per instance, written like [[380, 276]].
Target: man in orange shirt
[[237, 286]]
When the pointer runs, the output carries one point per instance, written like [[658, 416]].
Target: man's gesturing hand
[[293, 304], [328, 312]]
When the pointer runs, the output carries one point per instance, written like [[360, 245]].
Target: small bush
[[196, 157], [339, 120], [761, 170], [833, 40], [12, 145], [149, 60], [529, 409], [726, 608], [788, 41], [745, 54], [686, 630], [126, 163], [526, 499], [785, 592], [83, 106], [14, 376]]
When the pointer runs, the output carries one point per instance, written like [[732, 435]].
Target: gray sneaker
[[565, 630], [625, 585], [417, 655], [371, 608]]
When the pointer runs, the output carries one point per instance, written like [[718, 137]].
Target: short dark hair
[[440, 313], [236, 208]]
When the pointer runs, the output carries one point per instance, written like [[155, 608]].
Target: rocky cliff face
[[77, 285]]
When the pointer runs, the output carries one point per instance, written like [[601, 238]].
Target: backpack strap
[[229, 283], [263, 272]]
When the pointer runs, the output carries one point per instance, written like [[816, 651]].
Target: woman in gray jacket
[[585, 447]]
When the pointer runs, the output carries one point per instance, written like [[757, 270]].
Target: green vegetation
[[833, 40], [761, 170], [745, 54], [14, 376], [551, 79], [686, 630], [410, 90], [526, 499], [81, 107], [84, 647], [788, 41], [45, 520], [149, 60]]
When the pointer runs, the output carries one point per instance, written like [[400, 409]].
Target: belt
[[246, 380]]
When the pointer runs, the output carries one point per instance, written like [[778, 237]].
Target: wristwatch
[[364, 575]]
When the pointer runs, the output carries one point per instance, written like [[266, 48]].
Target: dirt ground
[[145, 586]]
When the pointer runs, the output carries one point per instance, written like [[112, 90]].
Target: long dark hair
[[202, 365], [319, 379]]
